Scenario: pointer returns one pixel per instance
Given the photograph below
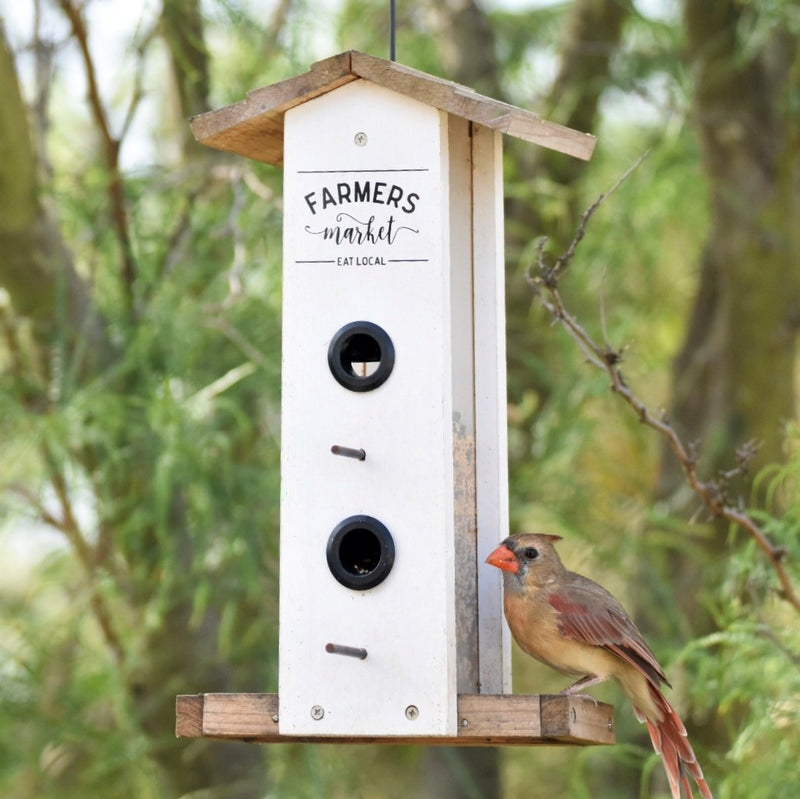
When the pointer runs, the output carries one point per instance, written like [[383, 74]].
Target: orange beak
[[504, 559]]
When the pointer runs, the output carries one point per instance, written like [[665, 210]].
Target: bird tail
[[671, 742]]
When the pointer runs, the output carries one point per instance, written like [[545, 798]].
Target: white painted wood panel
[[365, 238], [491, 403]]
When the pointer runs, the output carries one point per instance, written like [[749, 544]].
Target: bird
[[577, 627]]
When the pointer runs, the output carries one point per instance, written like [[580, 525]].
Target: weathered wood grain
[[483, 720], [253, 127]]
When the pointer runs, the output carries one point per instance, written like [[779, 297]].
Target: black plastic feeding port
[[361, 356], [360, 552]]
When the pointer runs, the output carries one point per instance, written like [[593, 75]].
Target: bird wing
[[583, 617]]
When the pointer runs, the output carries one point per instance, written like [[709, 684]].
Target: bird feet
[[584, 682]]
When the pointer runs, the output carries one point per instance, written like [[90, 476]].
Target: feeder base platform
[[483, 720]]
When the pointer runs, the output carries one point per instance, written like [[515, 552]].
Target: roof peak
[[253, 127]]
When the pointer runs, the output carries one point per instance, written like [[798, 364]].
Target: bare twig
[[43, 50], [220, 322], [67, 523], [111, 149], [712, 492], [137, 93], [766, 630], [277, 24], [236, 272], [552, 274]]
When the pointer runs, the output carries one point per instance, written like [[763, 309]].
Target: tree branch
[[712, 492], [137, 92], [68, 525], [111, 149]]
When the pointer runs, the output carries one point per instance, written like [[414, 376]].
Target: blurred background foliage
[[140, 296]]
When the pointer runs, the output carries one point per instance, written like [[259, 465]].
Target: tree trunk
[[733, 377], [182, 28], [36, 269], [467, 45]]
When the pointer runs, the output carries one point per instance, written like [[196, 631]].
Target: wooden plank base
[[483, 720]]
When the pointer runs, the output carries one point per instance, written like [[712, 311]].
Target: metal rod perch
[[349, 651]]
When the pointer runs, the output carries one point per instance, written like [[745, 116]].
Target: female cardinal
[[575, 626]]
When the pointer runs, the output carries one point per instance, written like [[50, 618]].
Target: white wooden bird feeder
[[393, 467]]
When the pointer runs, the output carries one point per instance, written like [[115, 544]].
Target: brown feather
[[575, 626], [590, 614]]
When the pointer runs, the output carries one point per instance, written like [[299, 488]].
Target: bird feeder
[[393, 442]]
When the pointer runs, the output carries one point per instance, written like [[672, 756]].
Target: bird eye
[[531, 553]]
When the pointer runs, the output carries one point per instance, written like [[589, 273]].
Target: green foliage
[[158, 472], [168, 457], [364, 25], [66, 722], [750, 668]]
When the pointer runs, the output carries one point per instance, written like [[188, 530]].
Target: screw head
[[360, 139], [317, 712], [412, 712]]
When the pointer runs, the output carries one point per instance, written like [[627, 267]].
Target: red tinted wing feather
[[582, 617]]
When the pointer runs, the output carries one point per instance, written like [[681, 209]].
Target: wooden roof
[[254, 126]]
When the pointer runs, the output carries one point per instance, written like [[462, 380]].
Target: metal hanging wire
[[392, 30]]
